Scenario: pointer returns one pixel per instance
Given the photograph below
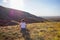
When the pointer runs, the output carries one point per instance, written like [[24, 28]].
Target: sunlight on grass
[[38, 31]]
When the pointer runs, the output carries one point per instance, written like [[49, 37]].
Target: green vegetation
[[38, 31]]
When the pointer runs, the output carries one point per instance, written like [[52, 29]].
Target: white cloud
[[16, 4], [5, 1]]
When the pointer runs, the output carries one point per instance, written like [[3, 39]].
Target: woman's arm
[[15, 21]]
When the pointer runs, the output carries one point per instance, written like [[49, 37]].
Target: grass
[[38, 31]]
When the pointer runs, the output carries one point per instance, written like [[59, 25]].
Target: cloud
[[5, 1]]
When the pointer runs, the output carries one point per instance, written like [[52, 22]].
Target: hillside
[[52, 18], [9, 14]]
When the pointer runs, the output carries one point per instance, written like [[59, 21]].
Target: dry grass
[[38, 31]]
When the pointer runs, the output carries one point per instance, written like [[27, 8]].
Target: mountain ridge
[[17, 15]]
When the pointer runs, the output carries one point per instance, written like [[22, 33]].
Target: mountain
[[8, 14], [52, 18]]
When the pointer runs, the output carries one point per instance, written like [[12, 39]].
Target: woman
[[24, 30]]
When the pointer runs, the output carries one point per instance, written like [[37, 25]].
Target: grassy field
[[38, 31]]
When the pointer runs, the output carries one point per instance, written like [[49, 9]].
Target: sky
[[35, 7]]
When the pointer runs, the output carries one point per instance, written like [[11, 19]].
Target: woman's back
[[23, 25]]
